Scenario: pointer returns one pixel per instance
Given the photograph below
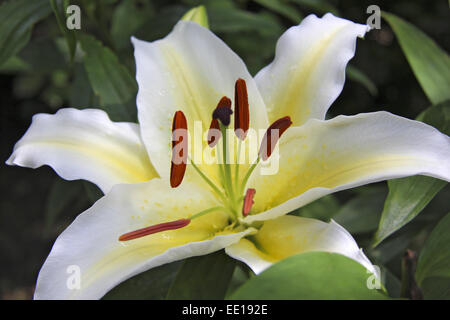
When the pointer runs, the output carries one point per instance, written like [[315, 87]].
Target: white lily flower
[[191, 70]]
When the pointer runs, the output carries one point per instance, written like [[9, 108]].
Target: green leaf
[[312, 275], [150, 285], [63, 194], [14, 65], [59, 9], [357, 75], [362, 213], [81, 94], [110, 80], [408, 196], [319, 6], [204, 277], [225, 19], [433, 267], [198, 15], [323, 209], [430, 64], [160, 24], [240, 275], [122, 27], [16, 21], [92, 191], [282, 8]]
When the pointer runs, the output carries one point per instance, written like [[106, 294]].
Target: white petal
[[289, 235], [189, 70], [323, 157], [91, 243], [85, 144], [308, 71]]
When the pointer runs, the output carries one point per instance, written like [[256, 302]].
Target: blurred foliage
[[44, 67]]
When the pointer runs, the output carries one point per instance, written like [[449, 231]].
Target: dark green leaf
[[59, 9], [123, 27], [357, 75], [161, 24], [16, 21], [109, 79], [203, 277], [63, 194], [408, 196], [391, 282], [362, 213], [323, 209], [240, 275], [14, 65], [433, 267], [43, 56], [430, 64], [223, 19], [150, 285], [319, 6], [282, 8], [81, 95], [92, 191], [312, 275]]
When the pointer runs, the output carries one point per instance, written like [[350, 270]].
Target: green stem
[[236, 172], [202, 213], [208, 181], [221, 170], [226, 165], [248, 174]]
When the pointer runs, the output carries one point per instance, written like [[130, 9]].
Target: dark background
[[32, 213]]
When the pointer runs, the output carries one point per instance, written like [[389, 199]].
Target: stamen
[[267, 145], [214, 133], [248, 201], [223, 111], [177, 224], [241, 115], [179, 149]]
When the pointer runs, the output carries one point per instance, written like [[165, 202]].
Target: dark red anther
[[177, 224], [214, 133], [179, 149], [241, 110], [223, 111], [248, 201], [272, 135]]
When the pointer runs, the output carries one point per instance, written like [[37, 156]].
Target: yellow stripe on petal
[[308, 71], [85, 144], [91, 243], [323, 157]]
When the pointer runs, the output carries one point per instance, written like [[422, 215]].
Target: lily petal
[[322, 157], [85, 144], [308, 71], [190, 70], [91, 242], [289, 235]]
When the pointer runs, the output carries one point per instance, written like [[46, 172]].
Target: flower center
[[231, 188]]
